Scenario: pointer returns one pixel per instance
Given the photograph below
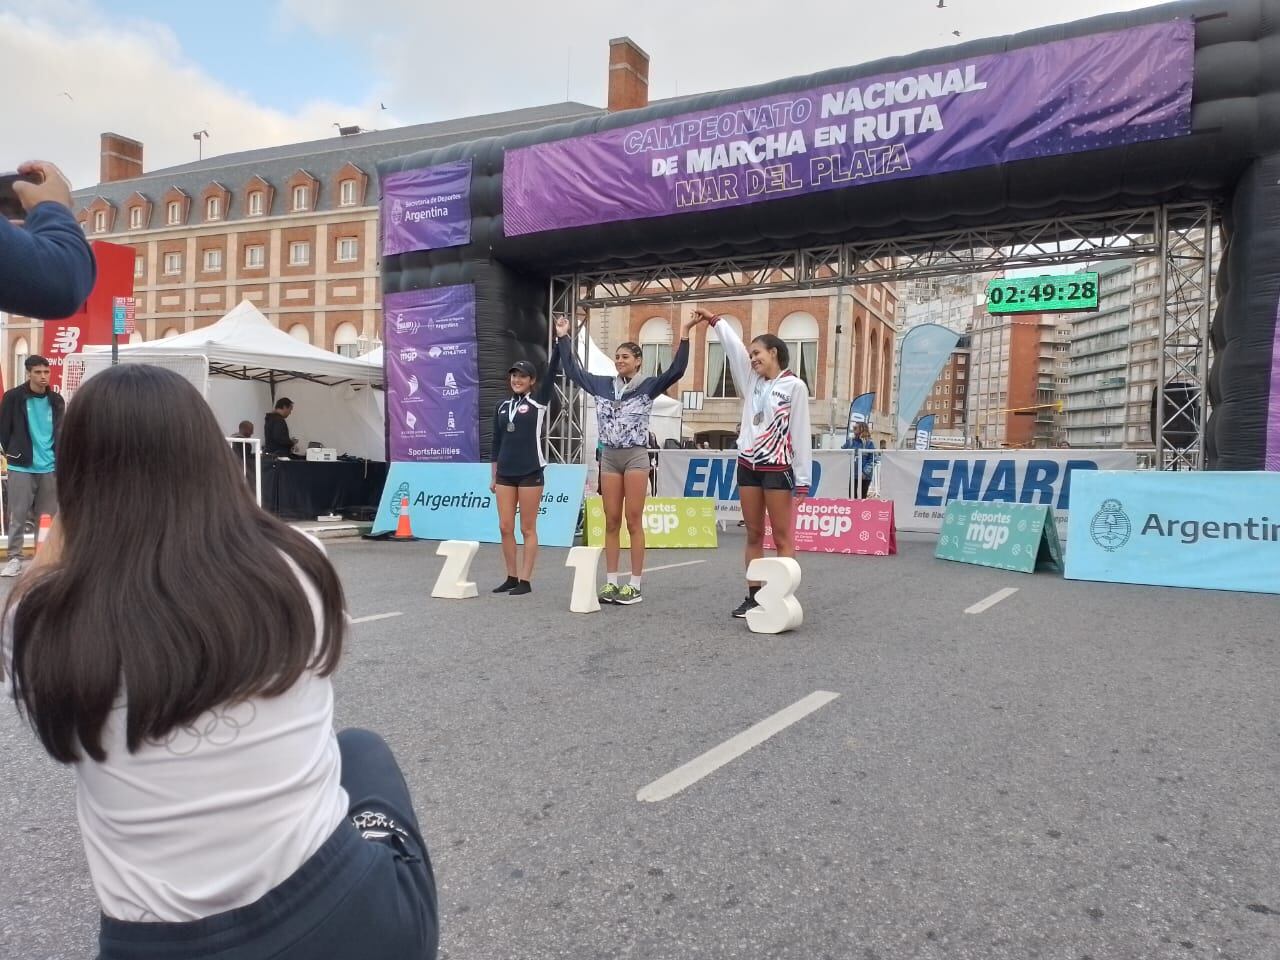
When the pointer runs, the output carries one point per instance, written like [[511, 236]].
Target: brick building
[[294, 229], [841, 344], [950, 394]]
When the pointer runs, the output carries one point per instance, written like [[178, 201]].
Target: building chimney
[[628, 75], [121, 158]]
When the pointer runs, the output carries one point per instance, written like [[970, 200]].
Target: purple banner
[[1089, 93], [427, 209], [433, 384]]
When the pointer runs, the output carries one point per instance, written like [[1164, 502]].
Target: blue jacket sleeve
[[594, 384], [547, 385], [46, 266], [671, 376], [495, 444]]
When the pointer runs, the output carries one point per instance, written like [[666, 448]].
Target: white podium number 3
[[583, 561], [778, 609], [452, 584]]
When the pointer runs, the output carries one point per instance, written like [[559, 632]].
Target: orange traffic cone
[[404, 529], [42, 534]]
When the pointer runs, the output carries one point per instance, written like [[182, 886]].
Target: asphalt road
[[1080, 772]]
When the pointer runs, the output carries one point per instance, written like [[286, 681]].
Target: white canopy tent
[[251, 363]]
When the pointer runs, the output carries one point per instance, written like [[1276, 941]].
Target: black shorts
[[766, 479], [534, 479]]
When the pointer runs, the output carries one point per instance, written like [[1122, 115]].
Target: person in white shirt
[[173, 644], [775, 448]]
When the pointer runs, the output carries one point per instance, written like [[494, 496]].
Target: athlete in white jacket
[[775, 449]]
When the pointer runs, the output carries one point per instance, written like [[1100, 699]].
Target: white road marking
[[731, 749], [672, 566], [376, 616], [992, 600]]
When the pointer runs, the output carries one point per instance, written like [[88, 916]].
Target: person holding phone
[[623, 406], [46, 264], [518, 465], [775, 448]]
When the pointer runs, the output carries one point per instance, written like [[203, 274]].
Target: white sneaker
[[12, 568]]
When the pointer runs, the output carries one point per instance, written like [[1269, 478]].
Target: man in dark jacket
[[276, 441], [30, 419], [46, 265]]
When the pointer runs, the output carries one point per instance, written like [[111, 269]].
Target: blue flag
[[924, 431], [924, 352], [859, 412]]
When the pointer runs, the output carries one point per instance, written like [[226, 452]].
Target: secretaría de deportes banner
[[452, 501], [433, 383], [427, 209], [1207, 529], [1086, 93]]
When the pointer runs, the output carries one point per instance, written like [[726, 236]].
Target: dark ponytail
[[779, 346]]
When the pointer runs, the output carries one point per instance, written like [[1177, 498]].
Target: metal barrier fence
[[255, 446]]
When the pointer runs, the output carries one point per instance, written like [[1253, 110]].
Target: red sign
[[91, 324], [863, 527]]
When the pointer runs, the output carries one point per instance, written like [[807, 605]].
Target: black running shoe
[[521, 588], [745, 607], [508, 584]]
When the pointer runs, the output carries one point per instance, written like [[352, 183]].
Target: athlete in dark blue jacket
[[46, 265], [518, 463]]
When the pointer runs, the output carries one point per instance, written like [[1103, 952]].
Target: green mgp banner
[[1007, 536], [669, 522]]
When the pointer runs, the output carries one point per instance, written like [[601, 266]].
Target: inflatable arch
[[1166, 106]]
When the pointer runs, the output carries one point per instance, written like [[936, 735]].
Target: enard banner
[[673, 523], [704, 473], [922, 482], [1086, 93], [1218, 530]]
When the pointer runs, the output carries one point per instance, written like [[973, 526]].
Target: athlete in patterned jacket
[[623, 406], [775, 449]]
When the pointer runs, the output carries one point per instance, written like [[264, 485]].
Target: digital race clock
[[1073, 291]]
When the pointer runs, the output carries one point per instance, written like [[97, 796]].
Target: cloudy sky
[[275, 71]]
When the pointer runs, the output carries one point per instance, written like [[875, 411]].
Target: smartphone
[[10, 206]]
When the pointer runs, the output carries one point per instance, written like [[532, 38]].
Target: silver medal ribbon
[[760, 400], [511, 414]]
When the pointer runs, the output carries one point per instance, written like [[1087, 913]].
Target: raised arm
[[735, 351], [547, 385], [594, 384], [46, 266], [801, 437], [679, 363]]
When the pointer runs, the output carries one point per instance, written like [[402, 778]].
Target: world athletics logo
[[1110, 527]]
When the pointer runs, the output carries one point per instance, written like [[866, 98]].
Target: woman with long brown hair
[[174, 645]]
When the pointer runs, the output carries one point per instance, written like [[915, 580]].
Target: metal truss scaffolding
[[1180, 234], [1185, 273]]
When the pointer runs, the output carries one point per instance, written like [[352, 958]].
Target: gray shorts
[[623, 460]]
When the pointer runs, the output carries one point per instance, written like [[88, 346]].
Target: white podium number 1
[[584, 561], [778, 609], [452, 584]]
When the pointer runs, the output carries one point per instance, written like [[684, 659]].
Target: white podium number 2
[[778, 609], [584, 561], [452, 584]]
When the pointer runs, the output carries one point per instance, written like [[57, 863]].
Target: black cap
[[525, 367]]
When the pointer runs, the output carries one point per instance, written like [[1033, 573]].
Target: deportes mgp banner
[[862, 527], [922, 482]]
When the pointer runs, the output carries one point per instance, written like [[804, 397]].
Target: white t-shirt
[[218, 814]]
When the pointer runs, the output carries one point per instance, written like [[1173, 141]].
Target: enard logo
[[1110, 527]]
